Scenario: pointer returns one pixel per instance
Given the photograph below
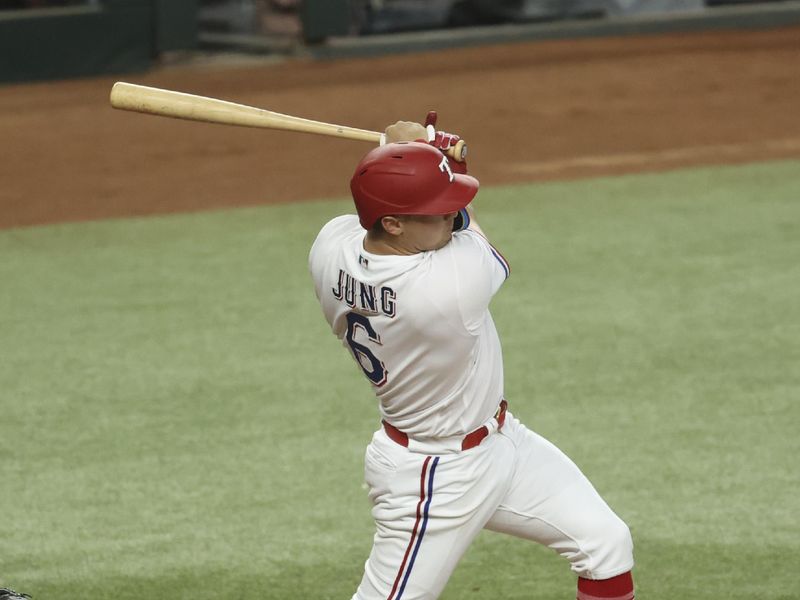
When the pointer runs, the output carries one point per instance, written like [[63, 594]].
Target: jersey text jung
[[364, 296]]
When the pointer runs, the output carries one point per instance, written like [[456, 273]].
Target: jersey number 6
[[373, 368]]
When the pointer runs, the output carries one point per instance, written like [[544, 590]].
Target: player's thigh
[[427, 511], [551, 502]]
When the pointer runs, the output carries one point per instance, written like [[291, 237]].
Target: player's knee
[[621, 538], [614, 553], [606, 551]]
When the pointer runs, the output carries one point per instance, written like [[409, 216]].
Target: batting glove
[[438, 139], [443, 141]]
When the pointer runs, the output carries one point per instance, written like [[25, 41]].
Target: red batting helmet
[[408, 178]]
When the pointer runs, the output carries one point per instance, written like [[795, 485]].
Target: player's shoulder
[[469, 250], [467, 242], [337, 230], [336, 235], [341, 225]]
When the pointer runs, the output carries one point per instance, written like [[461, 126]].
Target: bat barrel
[[168, 103]]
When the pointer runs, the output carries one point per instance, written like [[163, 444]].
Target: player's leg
[[427, 510], [551, 502]]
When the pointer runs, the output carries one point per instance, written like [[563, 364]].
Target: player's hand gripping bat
[[168, 103]]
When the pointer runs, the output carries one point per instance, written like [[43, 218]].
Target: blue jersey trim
[[502, 262]]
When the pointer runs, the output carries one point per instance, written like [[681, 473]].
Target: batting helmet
[[408, 178]]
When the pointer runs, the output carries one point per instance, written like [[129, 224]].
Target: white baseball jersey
[[418, 326]]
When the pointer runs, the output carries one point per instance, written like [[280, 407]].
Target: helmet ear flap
[[461, 221]]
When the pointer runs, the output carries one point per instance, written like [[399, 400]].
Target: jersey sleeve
[[476, 270]]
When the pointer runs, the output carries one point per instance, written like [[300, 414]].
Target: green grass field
[[177, 421]]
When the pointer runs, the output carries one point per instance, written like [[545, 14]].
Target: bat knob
[[460, 151]]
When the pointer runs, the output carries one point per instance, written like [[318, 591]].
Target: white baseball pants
[[429, 507]]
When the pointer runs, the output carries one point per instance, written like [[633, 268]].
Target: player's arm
[[473, 223], [409, 131], [475, 271], [404, 131]]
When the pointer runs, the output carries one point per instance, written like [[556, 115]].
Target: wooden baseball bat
[[168, 103]]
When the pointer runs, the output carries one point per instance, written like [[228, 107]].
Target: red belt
[[470, 440]]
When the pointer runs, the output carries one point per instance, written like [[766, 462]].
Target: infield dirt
[[529, 111]]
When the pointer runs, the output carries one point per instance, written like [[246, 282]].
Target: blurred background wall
[[55, 39]]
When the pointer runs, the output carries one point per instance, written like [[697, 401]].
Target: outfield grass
[[177, 422]]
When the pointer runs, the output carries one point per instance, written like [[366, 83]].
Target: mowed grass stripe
[[177, 421]]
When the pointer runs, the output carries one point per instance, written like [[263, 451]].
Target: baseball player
[[406, 286]]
